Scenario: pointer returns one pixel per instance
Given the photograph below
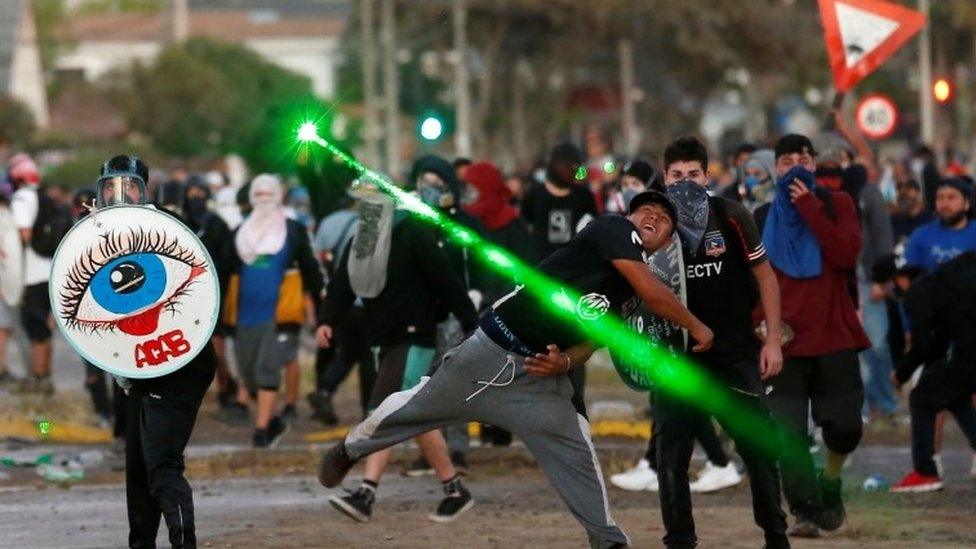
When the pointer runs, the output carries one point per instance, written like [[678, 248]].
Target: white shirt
[[24, 205], [12, 259], [226, 207]]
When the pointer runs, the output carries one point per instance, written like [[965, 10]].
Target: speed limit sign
[[877, 116]]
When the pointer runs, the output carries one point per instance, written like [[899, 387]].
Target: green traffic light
[[431, 128]]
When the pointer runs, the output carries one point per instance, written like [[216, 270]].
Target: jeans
[[706, 436], [879, 394], [675, 426]]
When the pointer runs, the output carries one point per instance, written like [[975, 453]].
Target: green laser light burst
[[677, 376], [307, 132]]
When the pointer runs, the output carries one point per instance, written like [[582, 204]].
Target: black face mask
[[196, 209]]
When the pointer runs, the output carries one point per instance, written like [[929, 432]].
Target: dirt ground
[[518, 509], [515, 505]]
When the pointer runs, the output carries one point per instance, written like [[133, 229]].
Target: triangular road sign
[[863, 34]]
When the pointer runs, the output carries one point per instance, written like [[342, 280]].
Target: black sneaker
[[289, 414], [35, 385], [270, 437], [495, 436], [322, 410], [833, 515], [776, 541], [803, 528], [458, 501], [460, 462], [7, 380], [356, 505], [418, 468], [335, 465]]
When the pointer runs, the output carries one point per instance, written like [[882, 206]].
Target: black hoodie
[[463, 265], [942, 310]]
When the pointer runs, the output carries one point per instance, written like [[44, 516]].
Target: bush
[[207, 98], [16, 122]]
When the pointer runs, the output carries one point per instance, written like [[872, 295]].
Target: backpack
[[52, 223]]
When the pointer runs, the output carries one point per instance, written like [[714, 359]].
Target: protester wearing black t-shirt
[[558, 209], [513, 371], [555, 212], [727, 272]]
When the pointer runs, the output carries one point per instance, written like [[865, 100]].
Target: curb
[[601, 428]]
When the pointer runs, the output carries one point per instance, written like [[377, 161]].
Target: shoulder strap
[[827, 198], [721, 210], [345, 229]]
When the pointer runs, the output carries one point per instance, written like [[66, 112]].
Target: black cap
[[655, 197], [960, 184], [566, 152], [794, 143], [640, 169]]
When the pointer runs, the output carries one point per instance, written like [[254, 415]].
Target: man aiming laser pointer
[[512, 372]]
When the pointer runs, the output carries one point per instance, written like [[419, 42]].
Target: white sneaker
[[641, 477], [713, 479]]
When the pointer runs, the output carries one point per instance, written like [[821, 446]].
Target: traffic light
[[942, 90], [431, 128]]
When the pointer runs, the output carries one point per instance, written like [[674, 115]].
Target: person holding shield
[[136, 294]]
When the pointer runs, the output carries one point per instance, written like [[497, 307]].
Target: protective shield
[[118, 190], [134, 291], [668, 265]]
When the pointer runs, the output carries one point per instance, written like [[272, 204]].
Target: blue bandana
[[791, 246]]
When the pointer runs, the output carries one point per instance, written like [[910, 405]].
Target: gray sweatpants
[[480, 381]]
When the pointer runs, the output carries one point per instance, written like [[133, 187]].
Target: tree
[[16, 122], [204, 97], [548, 48]]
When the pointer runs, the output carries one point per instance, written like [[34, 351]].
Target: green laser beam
[[676, 375]]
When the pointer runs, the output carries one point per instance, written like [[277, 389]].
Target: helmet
[[122, 181]]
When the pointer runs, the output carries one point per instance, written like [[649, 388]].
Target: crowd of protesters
[[856, 271]]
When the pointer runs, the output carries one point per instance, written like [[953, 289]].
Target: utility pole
[[371, 131], [926, 107], [625, 52], [391, 89], [181, 20], [462, 113]]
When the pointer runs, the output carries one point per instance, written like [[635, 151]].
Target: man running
[[513, 371]]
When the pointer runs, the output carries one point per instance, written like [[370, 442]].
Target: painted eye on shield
[[138, 277]]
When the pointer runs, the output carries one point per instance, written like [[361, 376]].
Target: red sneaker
[[917, 482]]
